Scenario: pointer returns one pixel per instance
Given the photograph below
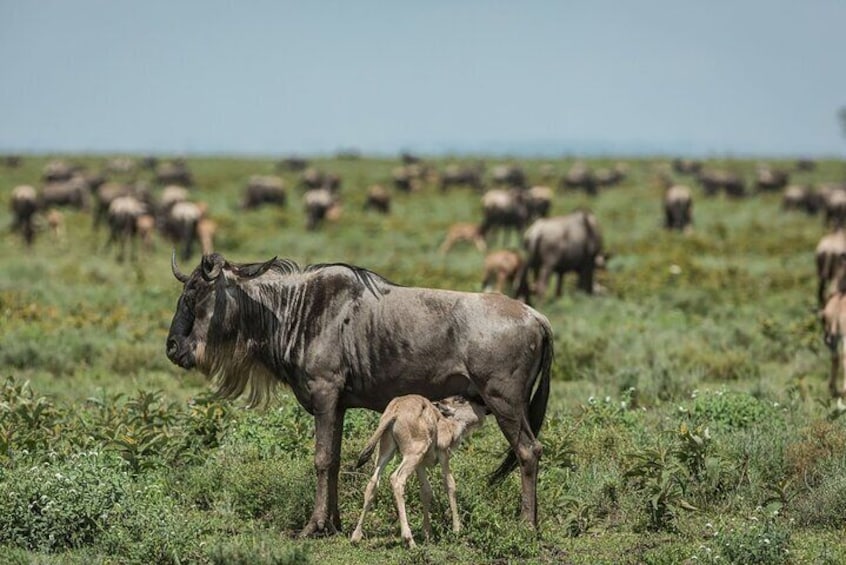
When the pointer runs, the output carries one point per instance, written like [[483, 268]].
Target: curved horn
[[180, 276], [212, 265]]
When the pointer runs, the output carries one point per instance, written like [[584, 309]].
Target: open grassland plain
[[689, 419]]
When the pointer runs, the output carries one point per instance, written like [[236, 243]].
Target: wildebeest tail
[[537, 405], [367, 452]]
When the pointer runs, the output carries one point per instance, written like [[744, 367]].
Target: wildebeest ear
[[254, 270], [211, 266]]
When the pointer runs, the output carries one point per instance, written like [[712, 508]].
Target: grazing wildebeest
[[834, 324], [538, 201], [713, 181], [611, 177], [378, 199], [408, 178], [103, 197], [678, 207], [293, 163], [74, 192], [834, 204], [686, 166], [801, 197], [343, 337], [180, 225], [424, 433], [829, 257], [580, 176], [318, 202], [561, 244], [458, 175], [12, 161], [24, 205], [122, 217], [58, 171], [462, 231], [768, 179], [509, 176], [174, 172], [504, 211], [263, 189], [501, 270]]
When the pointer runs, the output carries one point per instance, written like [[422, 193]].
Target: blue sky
[[744, 77]]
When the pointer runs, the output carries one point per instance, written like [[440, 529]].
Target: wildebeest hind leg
[[526, 447]]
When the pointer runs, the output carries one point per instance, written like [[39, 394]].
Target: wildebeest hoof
[[318, 528]]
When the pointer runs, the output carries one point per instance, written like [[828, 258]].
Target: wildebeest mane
[[366, 277], [234, 364]]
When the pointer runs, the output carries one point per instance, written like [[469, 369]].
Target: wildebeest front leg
[[325, 518]]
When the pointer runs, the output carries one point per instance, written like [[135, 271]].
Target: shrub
[[61, 505], [728, 410], [760, 539]]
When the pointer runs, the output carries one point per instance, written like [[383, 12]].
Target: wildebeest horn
[[180, 276], [212, 264]]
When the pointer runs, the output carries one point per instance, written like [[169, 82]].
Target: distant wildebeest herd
[[435, 361]]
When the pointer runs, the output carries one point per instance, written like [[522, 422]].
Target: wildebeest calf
[[501, 270], [424, 433], [463, 232], [834, 323], [829, 256]]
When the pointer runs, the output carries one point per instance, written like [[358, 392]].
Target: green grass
[[112, 454]]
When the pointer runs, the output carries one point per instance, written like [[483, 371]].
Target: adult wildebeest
[[580, 176], [801, 197], [318, 202], [833, 198], [343, 337], [829, 257], [378, 199], [503, 210], [562, 244], [180, 225], [769, 179], [467, 175], [264, 189], [678, 207], [538, 201], [74, 193], [174, 172], [509, 176], [122, 217], [24, 205]]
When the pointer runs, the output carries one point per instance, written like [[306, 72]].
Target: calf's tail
[[367, 452]]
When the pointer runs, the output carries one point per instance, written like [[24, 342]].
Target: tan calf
[[829, 255], [424, 433], [501, 270], [834, 322], [463, 232]]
